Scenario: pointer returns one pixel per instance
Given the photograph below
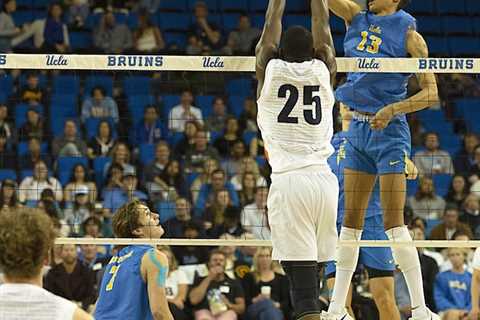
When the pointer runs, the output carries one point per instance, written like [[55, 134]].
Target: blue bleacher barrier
[[147, 153], [98, 168], [66, 84], [234, 5], [230, 21], [450, 7], [240, 87], [437, 45], [102, 80], [21, 113], [421, 7], [165, 210], [429, 25], [80, 40], [442, 183], [22, 148], [458, 25], [258, 5], [6, 84], [412, 186], [175, 38], [136, 85], [172, 21], [173, 5], [248, 137], [8, 174], [461, 46], [65, 166], [236, 104], [431, 223], [91, 126]]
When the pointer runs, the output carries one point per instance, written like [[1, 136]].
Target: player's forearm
[[274, 11], [345, 9], [475, 288], [320, 24], [427, 97]]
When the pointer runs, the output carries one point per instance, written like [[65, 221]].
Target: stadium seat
[[258, 5], [93, 20], [236, 104], [457, 25], [22, 148], [66, 84], [338, 43], [205, 104], [91, 126], [472, 120], [6, 84], [174, 138], [8, 174], [165, 210], [65, 166], [437, 46], [473, 7], [3, 97], [136, 85], [21, 110], [132, 21], [421, 7], [433, 115], [146, 153], [463, 46], [99, 164], [63, 105], [103, 80], [170, 21], [431, 223], [137, 103], [412, 186], [173, 5], [169, 101], [190, 178], [429, 25], [175, 38], [21, 17], [28, 173], [456, 7], [230, 21], [80, 40], [24, 4], [121, 18], [463, 106], [337, 24], [211, 4], [257, 20], [476, 25], [240, 86], [248, 137], [298, 6], [41, 4], [234, 5], [450, 143], [442, 183], [298, 19], [57, 124]]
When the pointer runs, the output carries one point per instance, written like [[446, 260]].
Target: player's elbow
[[433, 97]]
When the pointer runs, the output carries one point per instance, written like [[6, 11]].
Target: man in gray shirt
[[69, 144], [241, 40], [433, 160], [112, 37]]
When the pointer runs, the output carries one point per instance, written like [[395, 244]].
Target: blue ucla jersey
[[123, 292], [372, 36], [373, 217]]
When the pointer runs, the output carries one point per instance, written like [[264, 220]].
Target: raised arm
[[345, 9], [322, 36], [270, 39]]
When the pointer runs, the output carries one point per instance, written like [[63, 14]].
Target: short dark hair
[[297, 45], [215, 252]]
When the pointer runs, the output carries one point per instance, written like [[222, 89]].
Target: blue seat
[[298, 19], [338, 44], [65, 166], [91, 126], [137, 104], [63, 106], [22, 148], [8, 174], [102, 80], [173, 5], [190, 178], [463, 105], [230, 21], [463, 46], [236, 104], [429, 25], [450, 143], [170, 21], [450, 7], [165, 210], [6, 84], [412, 186], [298, 6], [146, 153], [41, 4], [24, 3], [257, 20], [20, 17], [258, 5], [473, 7], [442, 183], [248, 137], [80, 40], [93, 20], [99, 164], [234, 5], [437, 45], [211, 4], [457, 25], [169, 101], [21, 113], [175, 38], [205, 104], [433, 115], [337, 24], [431, 223], [136, 85], [57, 124], [472, 120], [240, 86], [121, 18], [174, 138], [66, 84], [421, 7]]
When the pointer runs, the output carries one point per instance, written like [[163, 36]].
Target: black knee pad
[[304, 290]]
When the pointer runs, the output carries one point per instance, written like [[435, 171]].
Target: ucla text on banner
[[226, 64]]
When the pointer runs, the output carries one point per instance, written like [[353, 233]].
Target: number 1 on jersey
[[308, 99], [374, 47]]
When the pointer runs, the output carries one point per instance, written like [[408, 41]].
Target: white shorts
[[302, 213]]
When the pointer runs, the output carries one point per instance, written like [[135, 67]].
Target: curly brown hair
[[125, 220], [26, 236]]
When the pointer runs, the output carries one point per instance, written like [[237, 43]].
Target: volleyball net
[[138, 82]]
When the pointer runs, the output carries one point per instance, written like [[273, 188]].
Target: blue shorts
[[374, 258], [378, 152]]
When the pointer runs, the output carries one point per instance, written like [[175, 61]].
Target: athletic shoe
[[431, 316], [336, 316]]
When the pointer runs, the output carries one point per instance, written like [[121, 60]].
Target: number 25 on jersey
[[370, 43], [313, 118]]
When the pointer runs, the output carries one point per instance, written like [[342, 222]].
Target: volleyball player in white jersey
[[295, 102], [26, 237]]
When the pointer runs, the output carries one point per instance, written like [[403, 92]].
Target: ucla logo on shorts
[[3, 59], [445, 64]]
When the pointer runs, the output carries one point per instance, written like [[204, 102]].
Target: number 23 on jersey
[[370, 43]]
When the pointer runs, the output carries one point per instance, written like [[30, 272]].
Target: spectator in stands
[[92, 227], [234, 162], [115, 198], [150, 6], [189, 255], [231, 222], [194, 46], [248, 118], [452, 288], [51, 208], [208, 191], [156, 167], [214, 214], [34, 127], [80, 179], [175, 227], [169, 184], [216, 122], [209, 165], [216, 296], [195, 159], [147, 39], [8, 30], [474, 170], [471, 212], [242, 40], [71, 279], [103, 142], [33, 155], [31, 187], [249, 189], [120, 154], [4, 123], [433, 160], [184, 112], [426, 203], [465, 158], [267, 294], [187, 143], [176, 286], [32, 93], [7, 155], [79, 210], [254, 216], [150, 129], [95, 261], [225, 143], [457, 192], [206, 31], [113, 178], [69, 144], [50, 35], [248, 165], [8, 195], [99, 105], [78, 12], [450, 225], [112, 37]]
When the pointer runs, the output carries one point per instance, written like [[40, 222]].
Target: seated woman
[[266, 290], [103, 142], [209, 166], [31, 187], [147, 38], [248, 165], [8, 195], [79, 179]]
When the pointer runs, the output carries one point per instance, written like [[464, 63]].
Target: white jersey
[[295, 114], [26, 301]]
